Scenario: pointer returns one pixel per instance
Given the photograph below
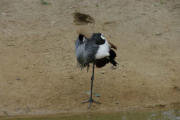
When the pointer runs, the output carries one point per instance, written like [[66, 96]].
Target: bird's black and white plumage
[[96, 50]]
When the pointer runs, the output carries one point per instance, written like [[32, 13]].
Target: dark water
[[158, 115]]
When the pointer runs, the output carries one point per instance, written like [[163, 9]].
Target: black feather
[[112, 57], [81, 36], [102, 62]]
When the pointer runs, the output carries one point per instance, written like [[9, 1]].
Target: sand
[[38, 68]]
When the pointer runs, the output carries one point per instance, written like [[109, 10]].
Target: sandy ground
[[38, 69]]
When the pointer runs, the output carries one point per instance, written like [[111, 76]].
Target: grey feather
[[85, 51]]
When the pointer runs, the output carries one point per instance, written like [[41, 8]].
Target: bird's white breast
[[103, 50]]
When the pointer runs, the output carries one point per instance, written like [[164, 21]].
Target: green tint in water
[[161, 115]]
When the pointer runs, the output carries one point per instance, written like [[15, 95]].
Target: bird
[[95, 50]]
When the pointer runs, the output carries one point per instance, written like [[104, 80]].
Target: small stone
[[102, 72], [97, 95], [158, 34], [124, 76], [114, 67], [18, 79]]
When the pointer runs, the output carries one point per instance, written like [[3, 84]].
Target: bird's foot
[[90, 101]]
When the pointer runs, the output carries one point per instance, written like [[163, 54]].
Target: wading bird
[[96, 50]]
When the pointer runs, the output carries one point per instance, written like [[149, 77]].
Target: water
[[158, 115]]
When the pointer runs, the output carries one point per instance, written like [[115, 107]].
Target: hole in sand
[[81, 18]]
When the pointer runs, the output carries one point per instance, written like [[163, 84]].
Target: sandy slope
[[38, 72]]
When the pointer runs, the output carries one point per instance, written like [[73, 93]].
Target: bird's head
[[98, 36], [81, 38]]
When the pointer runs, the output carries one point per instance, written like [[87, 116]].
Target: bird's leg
[[87, 67], [90, 98], [92, 79]]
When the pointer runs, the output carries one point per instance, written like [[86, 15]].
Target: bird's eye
[[102, 36]]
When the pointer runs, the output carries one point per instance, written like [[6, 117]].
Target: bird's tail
[[112, 57]]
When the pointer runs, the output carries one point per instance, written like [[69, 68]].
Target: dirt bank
[[38, 71]]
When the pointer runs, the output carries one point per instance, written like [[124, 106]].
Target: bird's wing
[[112, 45]]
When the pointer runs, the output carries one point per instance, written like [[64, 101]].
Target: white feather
[[102, 36], [103, 50]]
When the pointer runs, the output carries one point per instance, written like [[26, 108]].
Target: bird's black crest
[[97, 38], [81, 36]]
